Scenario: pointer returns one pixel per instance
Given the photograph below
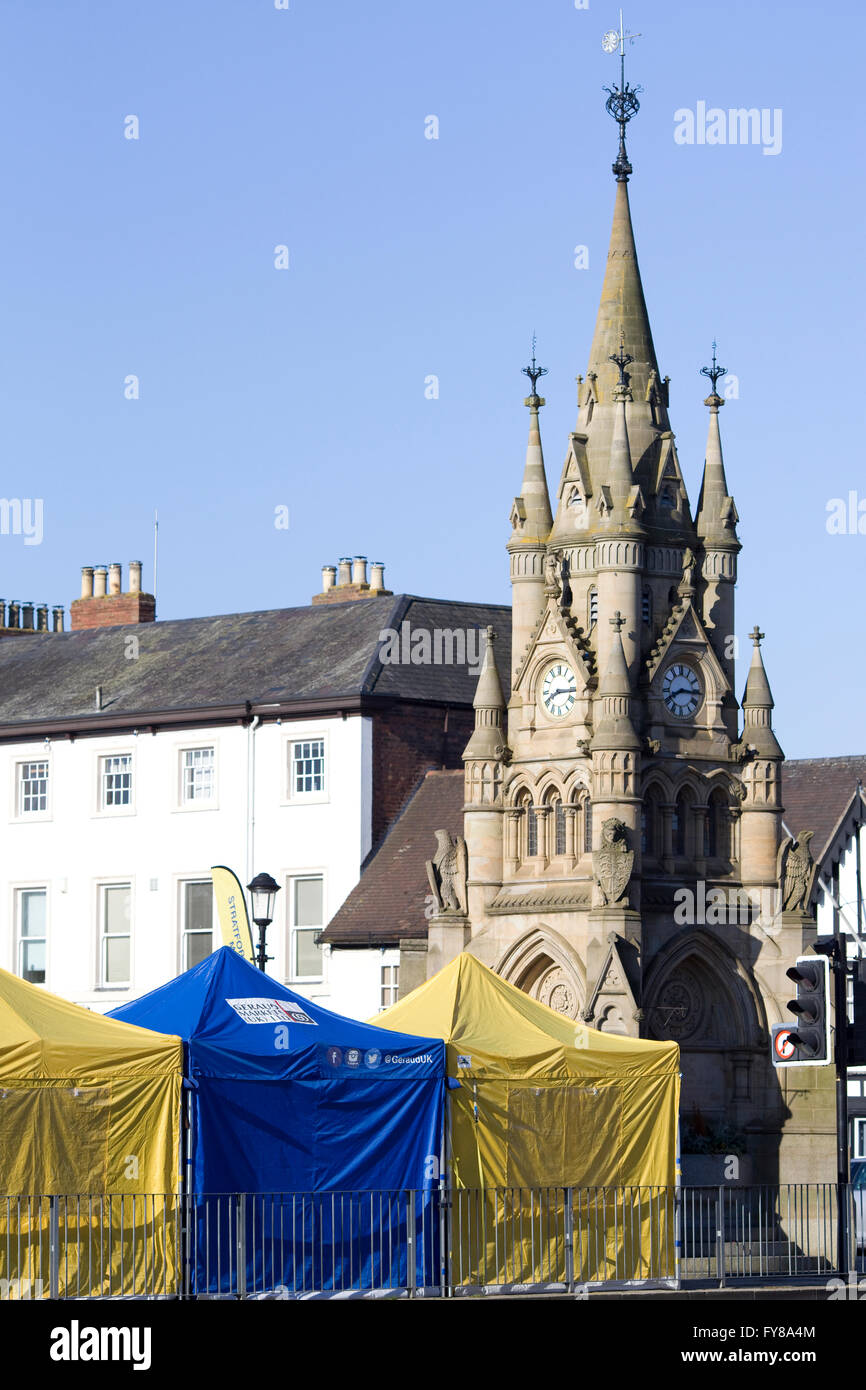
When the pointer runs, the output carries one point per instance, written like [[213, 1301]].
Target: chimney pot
[[359, 570], [135, 576], [114, 579], [329, 577], [377, 576], [27, 616], [13, 613], [345, 575], [42, 618], [57, 615], [100, 574], [87, 581]]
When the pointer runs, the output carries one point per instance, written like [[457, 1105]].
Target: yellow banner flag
[[232, 911]]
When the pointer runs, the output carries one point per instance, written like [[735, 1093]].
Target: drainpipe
[[251, 794]]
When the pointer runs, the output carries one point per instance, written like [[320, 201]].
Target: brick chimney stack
[[103, 602]]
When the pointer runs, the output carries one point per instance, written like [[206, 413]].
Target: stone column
[[570, 813], [512, 840], [542, 817]]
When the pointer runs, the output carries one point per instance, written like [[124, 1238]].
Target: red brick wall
[[407, 741], [114, 610]]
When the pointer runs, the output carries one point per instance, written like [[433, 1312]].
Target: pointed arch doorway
[[543, 965]]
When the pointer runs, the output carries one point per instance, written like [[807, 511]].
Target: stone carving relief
[[557, 991], [448, 871], [612, 864]]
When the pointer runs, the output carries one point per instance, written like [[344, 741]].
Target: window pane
[[308, 902], [308, 766], [33, 962], [117, 780], [198, 906], [116, 959], [116, 909], [308, 956], [560, 828], [199, 945], [33, 912], [33, 787], [531, 830], [198, 770]]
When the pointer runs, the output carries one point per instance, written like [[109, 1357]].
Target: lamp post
[[263, 890]]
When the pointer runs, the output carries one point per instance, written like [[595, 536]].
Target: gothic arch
[[698, 993], [543, 965], [691, 782], [549, 784], [519, 787], [576, 782]]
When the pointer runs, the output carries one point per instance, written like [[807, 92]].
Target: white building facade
[[134, 757]]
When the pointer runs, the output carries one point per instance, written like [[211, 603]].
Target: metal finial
[[714, 372], [757, 635], [622, 102], [532, 371], [622, 359]]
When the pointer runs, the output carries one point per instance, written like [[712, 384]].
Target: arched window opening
[[682, 813], [718, 836], [531, 831], [558, 827]]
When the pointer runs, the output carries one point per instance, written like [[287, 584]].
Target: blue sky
[[411, 257]]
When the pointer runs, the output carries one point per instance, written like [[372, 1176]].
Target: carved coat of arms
[[613, 863]]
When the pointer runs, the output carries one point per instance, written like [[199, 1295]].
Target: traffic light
[[810, 1036], [856, 1052]]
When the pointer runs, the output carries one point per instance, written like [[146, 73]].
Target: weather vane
[[532, 371], [621, 358], [622, 102], [714, 372]]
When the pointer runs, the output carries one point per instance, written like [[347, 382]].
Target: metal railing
[[438, 1242]]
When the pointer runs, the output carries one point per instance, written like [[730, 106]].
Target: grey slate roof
[[387, 903], [317, 653], [816, 792]]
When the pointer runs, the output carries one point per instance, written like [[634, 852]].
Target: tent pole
[[678, 1208]]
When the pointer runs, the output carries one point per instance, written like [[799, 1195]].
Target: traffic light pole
[[839, 964]]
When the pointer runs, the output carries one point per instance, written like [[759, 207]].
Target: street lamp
[[263, 890]]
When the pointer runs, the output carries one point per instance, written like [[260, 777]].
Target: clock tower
[[624, 814]]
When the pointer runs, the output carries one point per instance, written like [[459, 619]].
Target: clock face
[[681, 690], [559, 690]]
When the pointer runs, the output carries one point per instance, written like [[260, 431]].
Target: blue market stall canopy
[[338, 1105]]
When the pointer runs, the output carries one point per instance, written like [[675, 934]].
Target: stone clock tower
[[623, 815]]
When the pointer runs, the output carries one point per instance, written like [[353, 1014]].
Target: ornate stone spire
[[716, 518], [487, 739], [758, 706], [622, 311], [531, 517]]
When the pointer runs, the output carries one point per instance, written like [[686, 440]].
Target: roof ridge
[[395, 617]]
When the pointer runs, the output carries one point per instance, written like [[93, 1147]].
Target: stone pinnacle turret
[[758, 706], [716, 518]]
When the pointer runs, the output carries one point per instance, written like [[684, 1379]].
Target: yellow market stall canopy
[[546, 1103], [89, 1115]]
